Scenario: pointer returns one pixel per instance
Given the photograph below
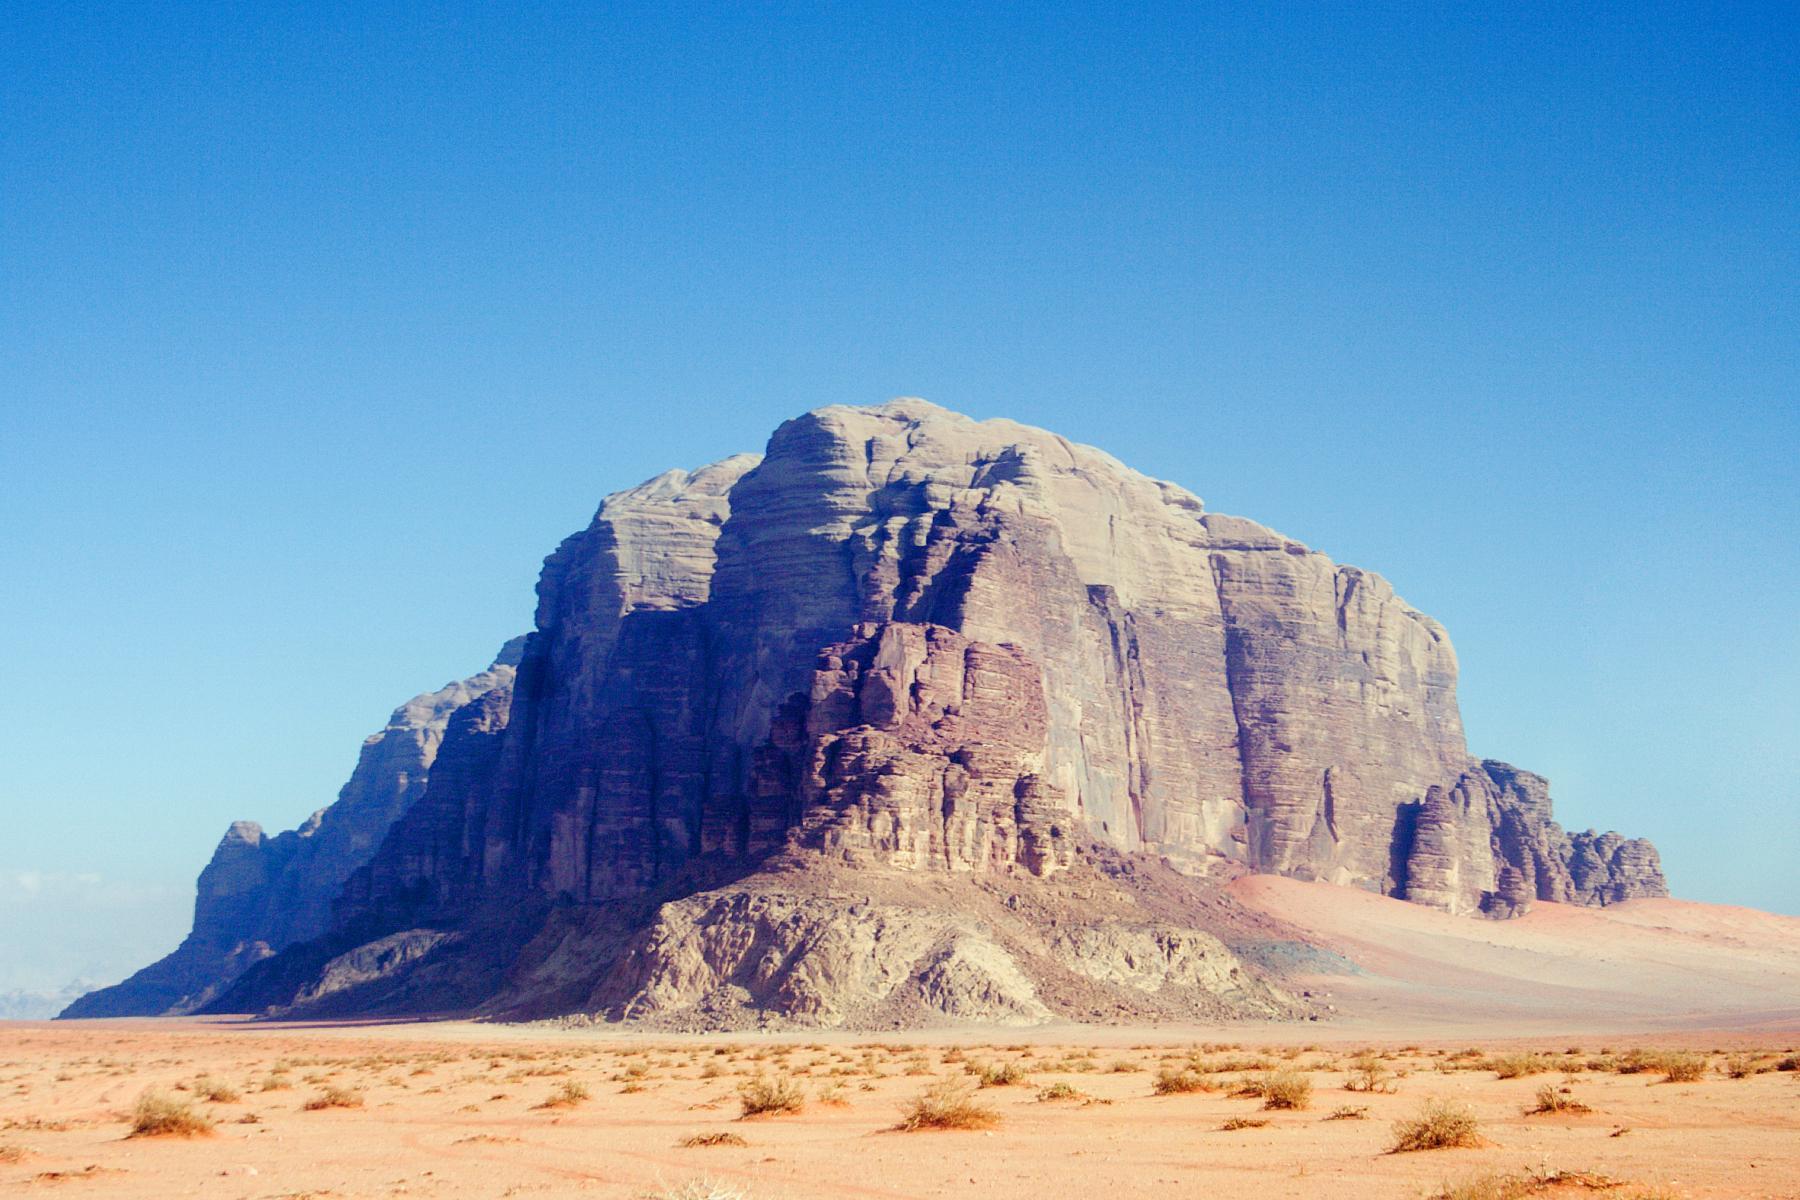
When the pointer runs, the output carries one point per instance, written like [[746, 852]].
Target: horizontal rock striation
[[903, 641], [1487, 843]]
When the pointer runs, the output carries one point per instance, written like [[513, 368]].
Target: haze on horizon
[[319, 330]]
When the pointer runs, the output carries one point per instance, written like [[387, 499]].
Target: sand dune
[[1643, 964]]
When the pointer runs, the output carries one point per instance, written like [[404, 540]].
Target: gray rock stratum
[[956, 670]]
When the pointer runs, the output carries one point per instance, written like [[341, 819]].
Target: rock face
[[261, 894], [919, 749], [909, 644]]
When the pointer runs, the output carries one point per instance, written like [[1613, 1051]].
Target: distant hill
[[18, 1005]]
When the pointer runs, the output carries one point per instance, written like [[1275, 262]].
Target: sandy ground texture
[[460, 1110], [1646, 965]]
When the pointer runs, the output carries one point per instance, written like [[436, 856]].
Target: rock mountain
[[914, 718]]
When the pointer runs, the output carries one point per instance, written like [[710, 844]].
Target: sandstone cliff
[[261, 894], [917, 647]]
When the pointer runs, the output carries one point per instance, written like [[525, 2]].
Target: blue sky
[[320, 325]]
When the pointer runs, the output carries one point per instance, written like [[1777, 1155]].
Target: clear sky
[[321, 324]]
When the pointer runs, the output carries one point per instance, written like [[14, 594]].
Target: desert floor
[[459, 1110]]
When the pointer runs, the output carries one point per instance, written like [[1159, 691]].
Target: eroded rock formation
[[907, 643], [261, 894]]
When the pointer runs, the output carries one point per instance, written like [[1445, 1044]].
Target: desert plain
[[1644, 1050], [466, 1110]]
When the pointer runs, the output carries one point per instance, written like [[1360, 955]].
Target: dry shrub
[[1554, 1100], [1286, 1089], [947, 1104], [1522, 1185], [1741, 1066], [1368, 1074], [10, 1153], [1005, 1074], [1682, 1068], [216, 1090], [1243, 1123], [1172, 1081], [1062, 1091], [568, 1095], [765, 1095], [1349, 1112], [695, 1141], [334, 1097], [703, 1189], [1439, 1125], [160, 1115], [1517, 1066]]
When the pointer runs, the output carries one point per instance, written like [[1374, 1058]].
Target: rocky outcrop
[[839, 943], [1488, 844], [907, 643], [261, 894], [920, 749]]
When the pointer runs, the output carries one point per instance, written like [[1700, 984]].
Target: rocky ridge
[[930, 652], [261, 894]]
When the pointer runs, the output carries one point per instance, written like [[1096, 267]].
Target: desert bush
[[1062, 1091], [1678, 1067], [947, 1104], [1348, 1112], [1368, 1074], [1790, 1063], [334, 1097], [1122, 1066], [158, 1114], [830, 1095], [694, 1141], [1172, 1081], [276, 1082], [1005, 1074], [10, 1153], [702, 1189], [571, 1093], [766, 1095], [216, 1090], [1243, 1123], [1517, 1066], [1740, 1066], [1286, 1089], [1545, 1182], [1551, 1099], [1439, 1125]]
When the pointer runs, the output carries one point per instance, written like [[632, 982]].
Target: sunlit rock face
[[950, 644], [906, 641]]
